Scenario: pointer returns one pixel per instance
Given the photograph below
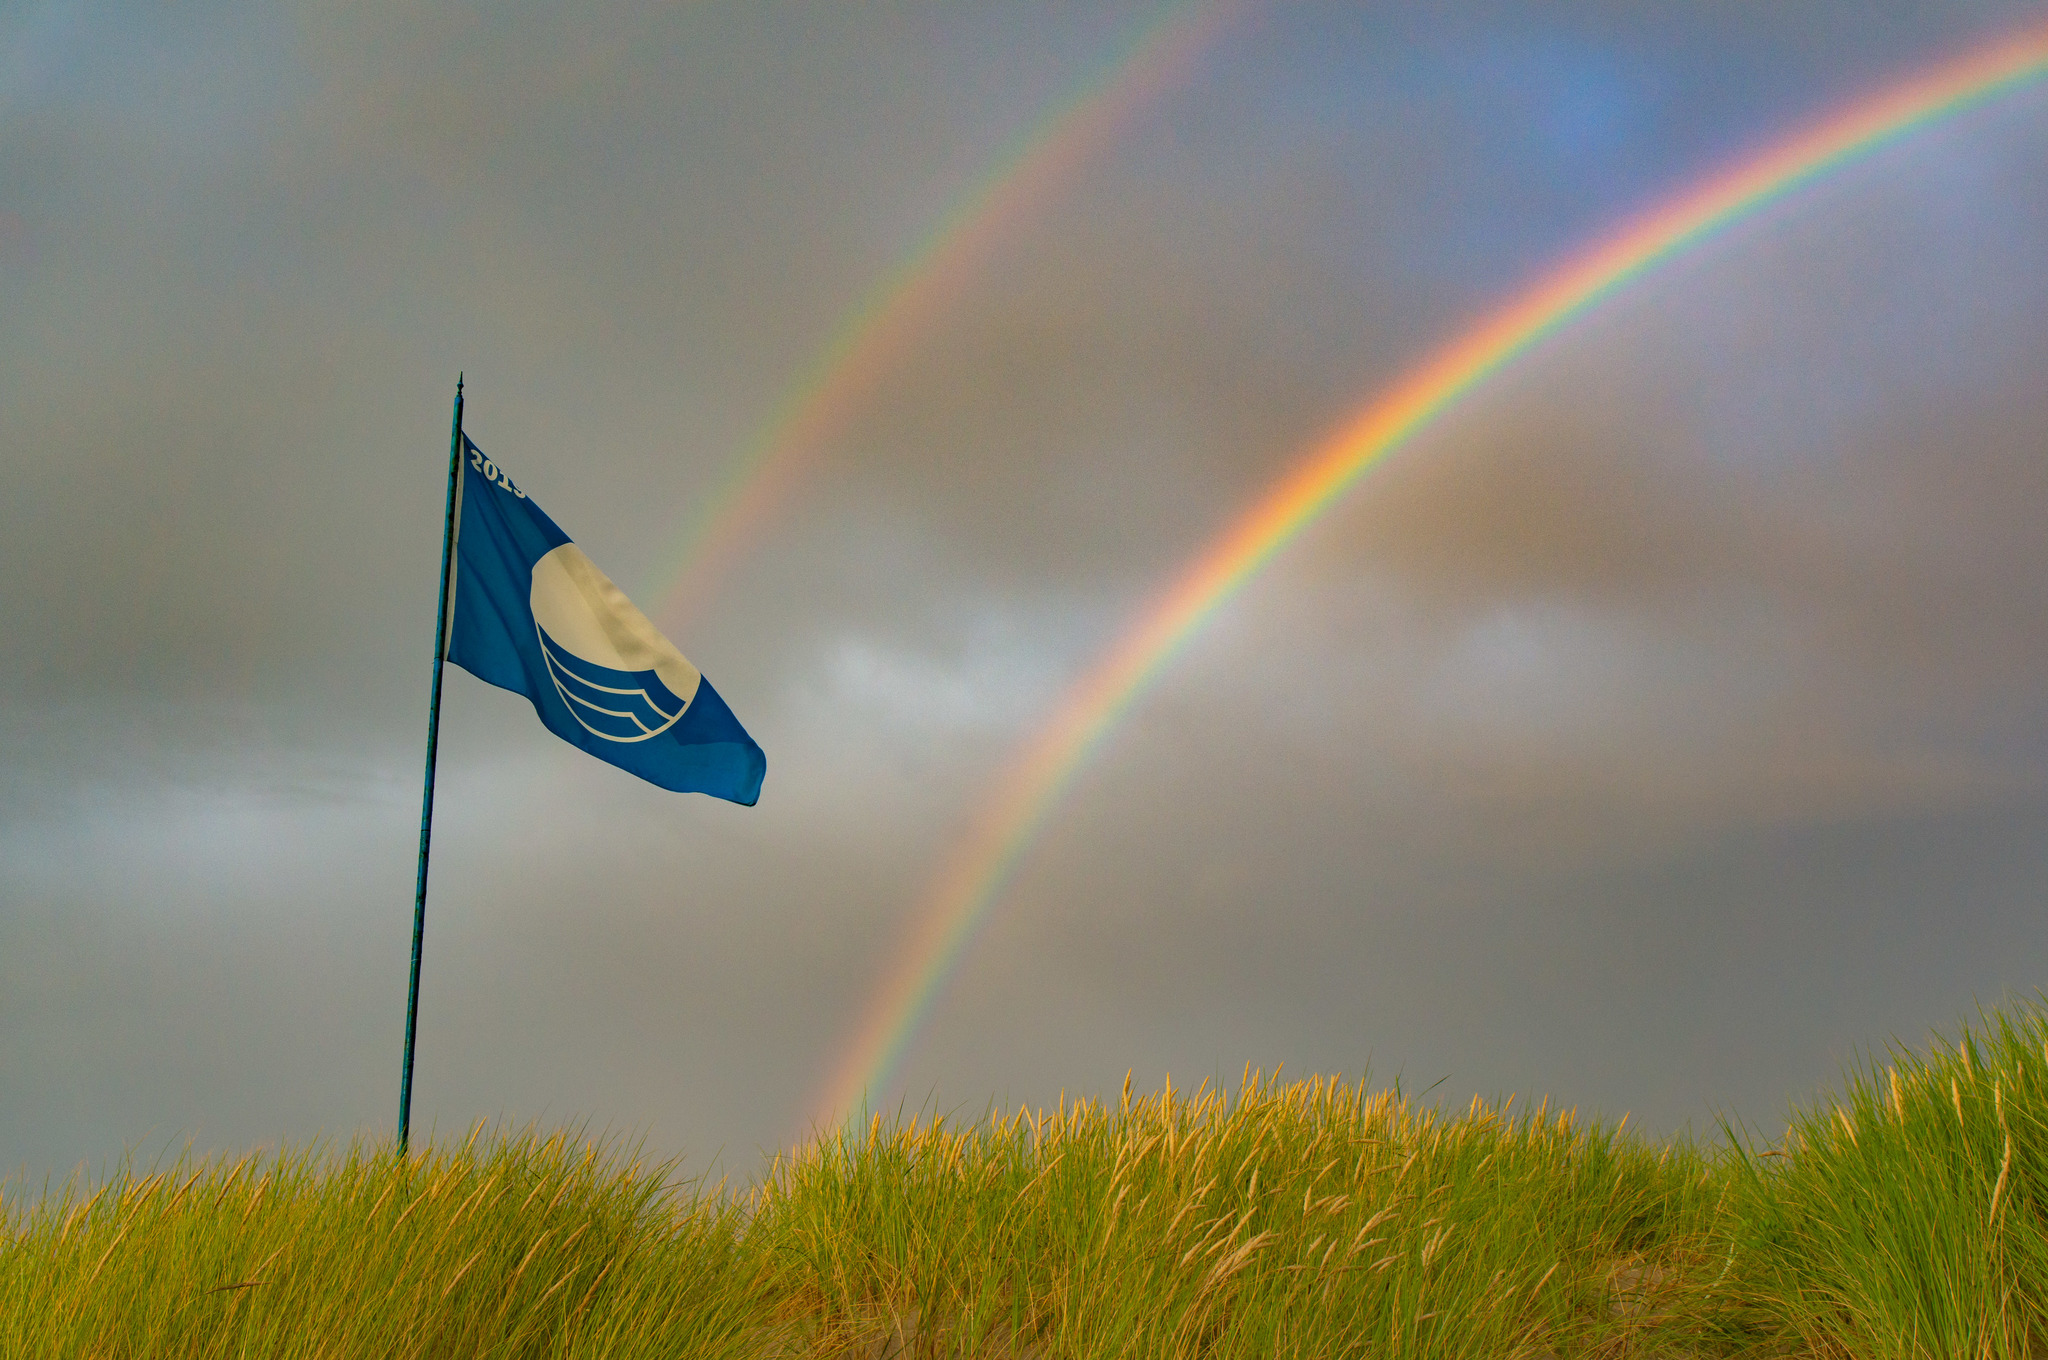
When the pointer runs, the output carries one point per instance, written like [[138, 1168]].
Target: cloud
[[1636, 734]]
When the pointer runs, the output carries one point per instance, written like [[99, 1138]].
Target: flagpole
[[419, 897]]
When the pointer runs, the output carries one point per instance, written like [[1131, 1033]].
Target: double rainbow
[[972, 879]]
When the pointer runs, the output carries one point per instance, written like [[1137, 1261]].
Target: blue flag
[[533, 615]]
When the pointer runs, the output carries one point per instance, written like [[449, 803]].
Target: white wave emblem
[[615, 672]]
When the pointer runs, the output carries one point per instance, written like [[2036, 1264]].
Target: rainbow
[[972, 878], [874, 335]]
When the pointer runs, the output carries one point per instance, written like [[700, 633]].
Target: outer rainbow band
[[872, 337], [962, 895]]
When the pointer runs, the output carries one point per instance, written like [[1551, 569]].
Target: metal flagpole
[[419, 897]]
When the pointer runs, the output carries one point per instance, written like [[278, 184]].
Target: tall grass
[[1905, 1215], [1306, 1219], [516, 1246], [1901, 1218]]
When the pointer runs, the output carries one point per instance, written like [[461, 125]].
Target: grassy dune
[[1903, 1216]]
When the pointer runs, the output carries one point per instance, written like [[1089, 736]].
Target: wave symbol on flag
[[617, 675], [615, 705]]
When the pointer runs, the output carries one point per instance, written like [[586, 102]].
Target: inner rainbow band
[[975, 874]]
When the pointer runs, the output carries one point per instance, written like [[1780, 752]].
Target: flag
[[532, 614]]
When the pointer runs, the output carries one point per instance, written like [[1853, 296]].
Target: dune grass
[[1902, 1217], [1908, 1215]]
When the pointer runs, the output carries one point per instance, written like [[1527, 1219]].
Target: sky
[[1662, 729]]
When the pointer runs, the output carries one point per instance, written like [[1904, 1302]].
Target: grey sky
[[1662, 726]]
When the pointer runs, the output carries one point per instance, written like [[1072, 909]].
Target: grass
[[1901, 1217]]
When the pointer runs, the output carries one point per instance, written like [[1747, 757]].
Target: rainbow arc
[[973, 877], [875, 335]]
